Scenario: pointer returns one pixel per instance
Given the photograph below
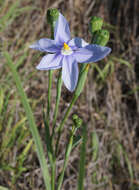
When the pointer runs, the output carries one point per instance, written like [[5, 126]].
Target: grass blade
[[95, 146], [1, 100], [31, 120], [3, 188]]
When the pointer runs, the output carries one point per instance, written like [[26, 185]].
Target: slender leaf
[[31, 121]]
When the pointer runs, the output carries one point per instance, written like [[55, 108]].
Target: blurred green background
[[109, 104]]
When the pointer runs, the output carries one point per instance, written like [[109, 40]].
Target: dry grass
[[109, 106]]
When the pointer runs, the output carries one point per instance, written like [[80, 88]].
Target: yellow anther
[[66, 47]]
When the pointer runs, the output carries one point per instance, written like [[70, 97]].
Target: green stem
[[52, 16], [53, 172], [48, 140], [79, 88], [49, 94], [50, 152], [50, 75], [59, 86], [60, 128], [82, 159], [31, 121], [68, 151]]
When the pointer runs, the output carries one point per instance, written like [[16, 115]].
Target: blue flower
[[65, 53]]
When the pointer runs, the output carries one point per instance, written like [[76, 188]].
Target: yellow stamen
[[66, 47]]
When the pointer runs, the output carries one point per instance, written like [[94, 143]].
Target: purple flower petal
[[70, 72], [45, 45], [91, 53], [50, 61], [62, 31], [67, 58], [78, 42]]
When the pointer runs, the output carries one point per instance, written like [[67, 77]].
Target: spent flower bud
[[101, 37], [95, 24], [80, 121], [52, 16], [77, 121], [75, 117]]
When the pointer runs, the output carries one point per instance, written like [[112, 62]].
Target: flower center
[[66, 47], [66, 50]]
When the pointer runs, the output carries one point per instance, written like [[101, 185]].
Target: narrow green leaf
[[21, 60], [95, 146], [21, 160], [12, 136], [127, 161], [23, 155], [31, 121], [3, 188], [122, 61], [48, 139], [101, 74], [1, 100], [10, 12], [9, 16]]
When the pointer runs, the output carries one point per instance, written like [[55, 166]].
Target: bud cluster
[[99, 35]]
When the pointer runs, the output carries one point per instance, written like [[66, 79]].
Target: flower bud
[[95, 24], [75, 117], [80, 121], [77, 121], [52, 16], [101, 37]]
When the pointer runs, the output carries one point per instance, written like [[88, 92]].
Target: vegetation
[[108, 105]]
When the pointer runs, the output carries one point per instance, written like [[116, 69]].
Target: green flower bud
[[101, 37], [75, 117], [52, 16], [95, 24], [80, 121], [77, 121]]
